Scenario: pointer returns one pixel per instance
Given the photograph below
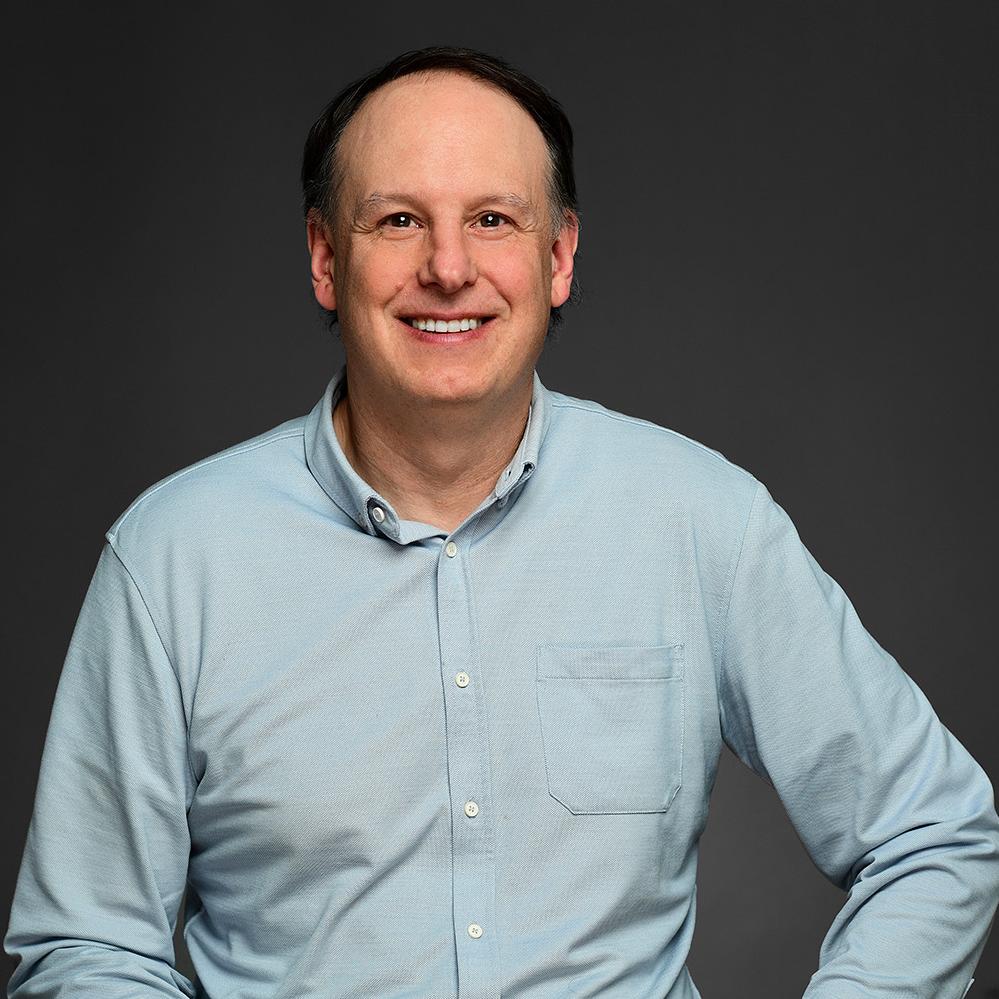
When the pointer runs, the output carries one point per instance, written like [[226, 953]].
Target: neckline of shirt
[[357, 498]]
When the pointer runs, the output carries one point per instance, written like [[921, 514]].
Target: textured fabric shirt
[[392, 762]]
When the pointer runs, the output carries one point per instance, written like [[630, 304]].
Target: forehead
[[442, 131]]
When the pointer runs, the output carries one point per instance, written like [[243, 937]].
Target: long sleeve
[[887, 802], [105, 862]]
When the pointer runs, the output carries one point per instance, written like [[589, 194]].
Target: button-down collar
[[370, 510]]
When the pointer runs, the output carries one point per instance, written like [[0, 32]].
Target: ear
[[563, 251], [321, 254]]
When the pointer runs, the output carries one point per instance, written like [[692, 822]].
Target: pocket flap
[[640, 662]]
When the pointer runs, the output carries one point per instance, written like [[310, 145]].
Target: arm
[[889, 805], [105, 862]]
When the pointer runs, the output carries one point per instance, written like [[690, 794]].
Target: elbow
[[977, 845], [993, 847]]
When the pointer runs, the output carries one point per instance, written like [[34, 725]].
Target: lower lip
[[445, 339]]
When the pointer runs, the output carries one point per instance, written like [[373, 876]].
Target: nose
[[448, 262]]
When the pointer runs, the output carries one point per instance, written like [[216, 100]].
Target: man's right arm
[[105, 863]]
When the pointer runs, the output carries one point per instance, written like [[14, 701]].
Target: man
[[422, 694]]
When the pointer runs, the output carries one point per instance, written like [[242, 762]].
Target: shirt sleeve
[[105, 861], [887, 802]]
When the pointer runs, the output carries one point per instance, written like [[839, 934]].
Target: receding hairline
[[425, 74]]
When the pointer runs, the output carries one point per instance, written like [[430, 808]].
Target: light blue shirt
[[397, 763]]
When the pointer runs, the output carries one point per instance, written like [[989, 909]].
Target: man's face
[[443, 214]]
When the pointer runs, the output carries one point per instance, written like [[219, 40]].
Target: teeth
[[445, 326]]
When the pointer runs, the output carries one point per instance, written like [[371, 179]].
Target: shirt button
[[462, 679], [378, 513], [450, 549], [474, 931], [471, 809]]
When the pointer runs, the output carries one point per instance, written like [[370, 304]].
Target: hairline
[[336, 173]]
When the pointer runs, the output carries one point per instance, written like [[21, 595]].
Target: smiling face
[[443, 215]]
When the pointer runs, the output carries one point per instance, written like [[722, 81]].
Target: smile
[[446, 325]]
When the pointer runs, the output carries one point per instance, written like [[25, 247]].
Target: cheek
[[377, 276], [519, 277]]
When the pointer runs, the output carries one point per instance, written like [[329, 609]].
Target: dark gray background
[[788, 252]]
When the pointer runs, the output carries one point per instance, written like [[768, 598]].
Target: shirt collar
[[329, 464]]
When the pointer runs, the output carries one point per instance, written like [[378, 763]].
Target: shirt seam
[[640, 422], [730, 586], [166, 652], [228, 453], [730, 582]]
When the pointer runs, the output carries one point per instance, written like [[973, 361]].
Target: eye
[[492, 220], [400, 220]]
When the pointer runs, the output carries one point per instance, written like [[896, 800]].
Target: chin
[[453, 385]]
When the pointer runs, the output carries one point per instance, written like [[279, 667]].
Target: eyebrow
[[378, 199]]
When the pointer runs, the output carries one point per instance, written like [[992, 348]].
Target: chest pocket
[[612, 726]]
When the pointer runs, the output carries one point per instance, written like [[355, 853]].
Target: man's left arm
[[890, 806]]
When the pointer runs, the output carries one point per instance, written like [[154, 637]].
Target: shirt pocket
[[612, 726]]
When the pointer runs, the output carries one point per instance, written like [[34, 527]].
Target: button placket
[[473, 852]]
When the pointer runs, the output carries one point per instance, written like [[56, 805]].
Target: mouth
[[429, 324]]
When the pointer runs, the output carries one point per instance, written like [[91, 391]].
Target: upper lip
[[446, 316]]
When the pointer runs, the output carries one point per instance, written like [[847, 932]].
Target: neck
[[435, 463]]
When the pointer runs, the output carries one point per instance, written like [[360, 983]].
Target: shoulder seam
[[736, 562], [721, 671], [640, 422], [166, 652], [210, 460]]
